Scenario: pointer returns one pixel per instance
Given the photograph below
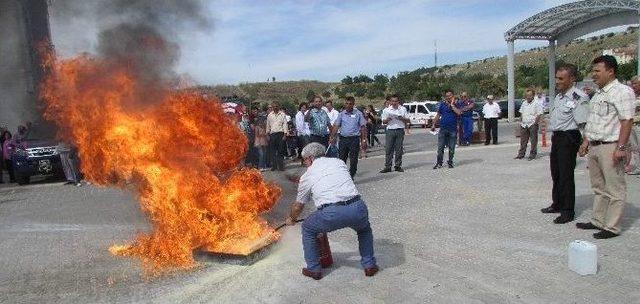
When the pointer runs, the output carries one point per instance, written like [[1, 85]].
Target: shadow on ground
[[389, 254]]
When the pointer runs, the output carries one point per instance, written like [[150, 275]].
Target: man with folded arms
[[327, 182], [607, 142]]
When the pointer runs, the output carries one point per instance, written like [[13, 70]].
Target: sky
[[253, 40]]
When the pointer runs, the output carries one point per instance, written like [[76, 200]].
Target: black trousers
[[9, 166], [276, 146], [491, 130], [564, 148], [350, 148], [323, 139]]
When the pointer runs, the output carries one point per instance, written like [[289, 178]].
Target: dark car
[[504, 108], [36, 157]]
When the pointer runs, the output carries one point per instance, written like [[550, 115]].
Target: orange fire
[[176, 150]]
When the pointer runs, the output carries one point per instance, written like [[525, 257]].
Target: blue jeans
[[262, 156], [330, 218], [446, 138]]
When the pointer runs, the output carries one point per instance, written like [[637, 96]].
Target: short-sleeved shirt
[[568, 110], [394, 123], [608, 106], [326, 181], [491, 110], [333, 115], [529, 112], [350, 122], [448, 118], [276, 122], [461, 104], [318, 122]]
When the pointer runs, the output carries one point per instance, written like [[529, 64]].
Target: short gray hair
[[314, 150]]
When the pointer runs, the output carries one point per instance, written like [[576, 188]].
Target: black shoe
[[495, 143], [399, 169], [563, 219], [385, 170], [437, 166], [549, 210], [604, 234], [586, 226], [486, 144], [518, 157], [450, 164], [531, 157]]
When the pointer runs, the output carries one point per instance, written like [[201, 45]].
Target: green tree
[[628, 70], [362, 79], [310, 95], [347, 80]]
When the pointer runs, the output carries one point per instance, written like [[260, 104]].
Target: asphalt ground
[[471, 234]]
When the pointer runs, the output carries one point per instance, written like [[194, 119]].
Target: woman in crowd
[[372, 125], [8, 147], [261, 142]]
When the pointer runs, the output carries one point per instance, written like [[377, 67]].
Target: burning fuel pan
[[248, 255]]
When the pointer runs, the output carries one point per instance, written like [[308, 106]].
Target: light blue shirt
[[350, 122]]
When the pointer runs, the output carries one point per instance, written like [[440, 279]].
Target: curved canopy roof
[[579, 18]]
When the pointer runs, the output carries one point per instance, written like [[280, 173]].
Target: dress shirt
[[333, 115], [491, 110], [326, 181], [390, 112], [349, 123], [276, 122], [529, 112], [609, 105], [302, 127], [568, 110], [318, 120]]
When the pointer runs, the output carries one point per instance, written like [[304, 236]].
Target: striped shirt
[[608, 106]]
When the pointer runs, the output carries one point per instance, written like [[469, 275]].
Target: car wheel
[[23, 179]]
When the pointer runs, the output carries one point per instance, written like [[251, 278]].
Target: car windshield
[[432, 107]]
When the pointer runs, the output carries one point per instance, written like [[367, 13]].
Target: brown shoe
[[312, 274], [371, 271]]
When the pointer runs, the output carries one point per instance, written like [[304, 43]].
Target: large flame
[[178, 152]]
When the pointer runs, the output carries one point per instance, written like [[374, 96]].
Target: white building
[[623, 55]]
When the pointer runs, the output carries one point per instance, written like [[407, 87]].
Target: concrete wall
[[17, 87]]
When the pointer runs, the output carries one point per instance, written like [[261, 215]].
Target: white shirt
[[333, 115], [530, 111], [302, 127], [390, 112], [326, 181], [609, 105], [491, 110]]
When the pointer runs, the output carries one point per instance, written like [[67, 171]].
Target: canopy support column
[[511, 83], [552, 70]]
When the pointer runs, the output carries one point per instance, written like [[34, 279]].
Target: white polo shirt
[[326, 181], [491, 110]]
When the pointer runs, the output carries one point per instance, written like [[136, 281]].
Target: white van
[[421, 113]]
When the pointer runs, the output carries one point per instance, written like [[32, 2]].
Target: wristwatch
[[623, 147]]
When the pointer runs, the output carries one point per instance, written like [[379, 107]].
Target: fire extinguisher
[[326, 260]]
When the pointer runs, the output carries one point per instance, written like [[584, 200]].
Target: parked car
[[36, 157], [421, 113], [504, 108]]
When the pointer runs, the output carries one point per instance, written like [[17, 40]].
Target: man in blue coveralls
[[447, 115], [466, 119]]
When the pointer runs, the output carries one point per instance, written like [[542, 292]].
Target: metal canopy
[[549, 24]]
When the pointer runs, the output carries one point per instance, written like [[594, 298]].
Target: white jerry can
[[583, 257]]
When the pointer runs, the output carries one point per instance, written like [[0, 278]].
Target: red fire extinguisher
[[326, 260]]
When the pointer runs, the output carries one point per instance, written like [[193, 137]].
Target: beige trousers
[[609, 186]]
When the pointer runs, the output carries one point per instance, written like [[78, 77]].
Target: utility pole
[[435, 54]]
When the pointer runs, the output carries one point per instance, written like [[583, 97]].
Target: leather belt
[[343, 203], [599, 142]]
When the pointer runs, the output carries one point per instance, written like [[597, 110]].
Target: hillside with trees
[[478, 78]]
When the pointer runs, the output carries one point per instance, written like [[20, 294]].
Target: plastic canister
[[583, 257]]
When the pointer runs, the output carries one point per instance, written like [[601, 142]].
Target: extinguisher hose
[[284, 224]]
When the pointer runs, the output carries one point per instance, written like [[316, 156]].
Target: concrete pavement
[[472, 234]]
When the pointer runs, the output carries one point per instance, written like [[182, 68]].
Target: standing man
[[339, 204], [331, 112], [448, 116], [352, 127], [607, 141], [531, 111], [466, 119], [491, 112], [319, 122], [395, 117], [302, 128], [568, 115], [276, 128]]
